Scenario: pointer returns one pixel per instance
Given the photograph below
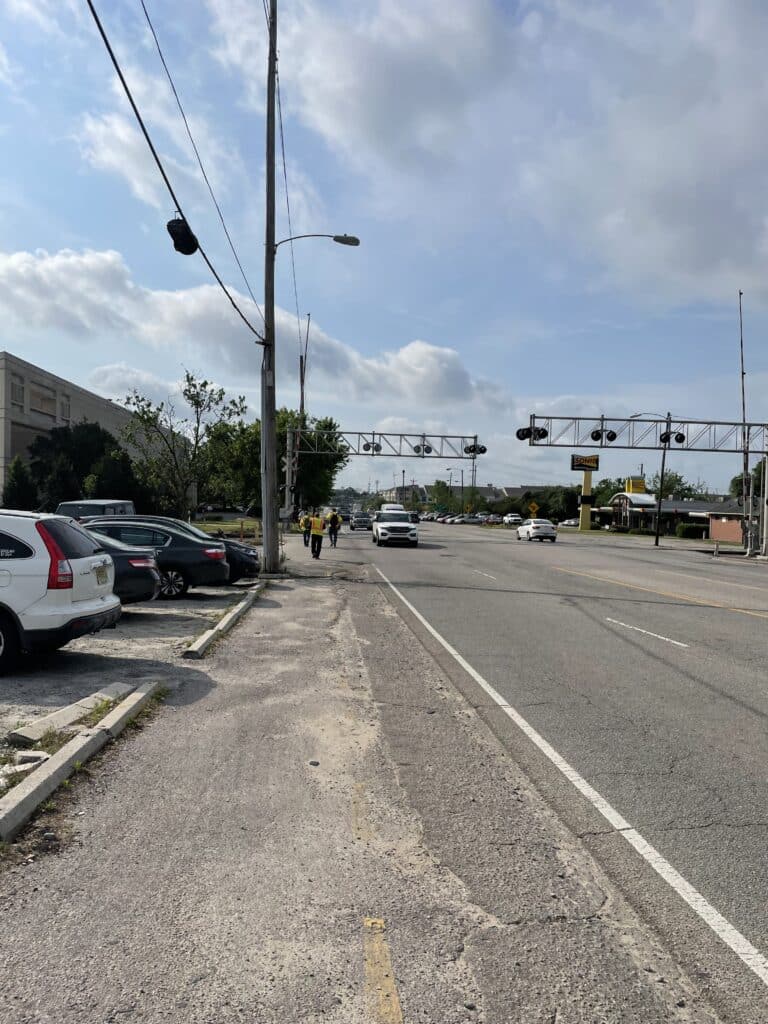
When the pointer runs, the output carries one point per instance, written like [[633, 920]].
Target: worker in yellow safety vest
[[317, 528], [305, 525]]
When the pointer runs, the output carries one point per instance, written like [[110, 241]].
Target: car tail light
[[59, 570], [142, 563], [217, 553]]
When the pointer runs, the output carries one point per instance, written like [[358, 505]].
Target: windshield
[[393, 517]]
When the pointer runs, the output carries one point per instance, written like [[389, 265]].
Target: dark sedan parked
[[137, 577], [184, 561], [242, 557]]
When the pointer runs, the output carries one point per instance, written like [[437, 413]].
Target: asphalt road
[[645, 670]]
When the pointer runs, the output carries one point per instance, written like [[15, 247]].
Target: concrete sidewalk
[[319, 828]]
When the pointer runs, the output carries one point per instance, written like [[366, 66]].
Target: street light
[[270, 539]]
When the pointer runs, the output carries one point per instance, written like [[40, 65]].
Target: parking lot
[[146, 644]]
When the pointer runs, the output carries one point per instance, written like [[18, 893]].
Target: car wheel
[[9, 644], [414, 543], [373, 538], [351, 526], [378, 542], [173, 584], [553, 539]]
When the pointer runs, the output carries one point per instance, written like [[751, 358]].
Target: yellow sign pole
[[585, 512]]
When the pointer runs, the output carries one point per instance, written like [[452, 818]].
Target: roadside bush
[[620, 529], [595, 526], [690, 531], [643, 531]]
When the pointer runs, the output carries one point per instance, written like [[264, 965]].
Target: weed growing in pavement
[[77, 767], [48, 807], [9, 781], [53, 740], [96, 714], [149, 709], [7, 757]]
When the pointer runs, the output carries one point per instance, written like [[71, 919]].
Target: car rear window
[[12, 547], [74, 542]]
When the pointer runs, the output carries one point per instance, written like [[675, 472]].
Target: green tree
[[605, 489], [172, 444], [79, 446], [60, 484], [317, 472], [20, 491], [444, 497], [675, 483], [735, 487]]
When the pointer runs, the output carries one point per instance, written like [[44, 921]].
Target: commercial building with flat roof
[[34, 401]]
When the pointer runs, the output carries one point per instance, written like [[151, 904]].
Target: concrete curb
[[28, 735], [198, 648], [18, 805]]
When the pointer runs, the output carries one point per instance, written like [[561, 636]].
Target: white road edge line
[[647, 632], [486, 574], [724, 930]]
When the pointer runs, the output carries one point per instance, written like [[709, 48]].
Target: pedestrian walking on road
[[305, 522], [334, 524], [317, 528]]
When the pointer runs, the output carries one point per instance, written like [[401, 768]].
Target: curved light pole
[[269, 501]]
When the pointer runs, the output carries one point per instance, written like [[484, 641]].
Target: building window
[[17, 390], [42, 400], [64, 408]]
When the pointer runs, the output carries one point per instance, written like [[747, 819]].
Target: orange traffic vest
[[318, 525]]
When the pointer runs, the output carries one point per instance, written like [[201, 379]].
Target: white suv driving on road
[[394, 528], [55, 584]]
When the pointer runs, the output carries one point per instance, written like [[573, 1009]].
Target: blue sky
[[558, 201]]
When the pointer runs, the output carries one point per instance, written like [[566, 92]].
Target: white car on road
[[55, 584], [537, 529], [394, 528], [512, 519]]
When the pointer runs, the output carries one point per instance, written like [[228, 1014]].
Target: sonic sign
[[587, 463]]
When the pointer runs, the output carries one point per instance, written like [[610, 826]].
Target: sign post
[[533, 508], [587, 464]]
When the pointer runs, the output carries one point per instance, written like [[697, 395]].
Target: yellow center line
[[664, 593], [380, 988]]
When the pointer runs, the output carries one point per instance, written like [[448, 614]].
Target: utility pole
[[746, 523], [661, 480], [270, 540]]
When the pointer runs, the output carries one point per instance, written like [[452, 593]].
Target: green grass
[[53, 740], [232, 528], [96, 714]]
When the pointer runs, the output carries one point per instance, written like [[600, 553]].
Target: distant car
[[512, 519], [360, 521], [184, 560], [473, 520], [137, 577], [570, 522], [494, 520], [95, 507], [482, 516], [537, 529], [243, 558], [414, 517]]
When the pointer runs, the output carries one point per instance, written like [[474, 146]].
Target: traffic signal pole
[[269, 534]]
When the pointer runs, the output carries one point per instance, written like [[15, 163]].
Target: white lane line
[[647, 632], [486, 574], [741, 946]]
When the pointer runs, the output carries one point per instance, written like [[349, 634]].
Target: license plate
[[102, 575]]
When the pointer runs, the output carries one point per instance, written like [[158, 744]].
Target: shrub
[[690, 531], [643, 531], [595, 526], [619, 529]]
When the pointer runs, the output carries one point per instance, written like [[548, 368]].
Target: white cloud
[[117, 380], [6, 69], [92, 296]]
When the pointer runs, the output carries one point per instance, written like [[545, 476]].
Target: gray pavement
[[319, 826]]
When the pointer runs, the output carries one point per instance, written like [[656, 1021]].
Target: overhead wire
[[288, 211], [199, 159], [160, 167]]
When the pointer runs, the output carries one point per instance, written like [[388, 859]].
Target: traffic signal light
[[475, 449], [525, 433], [183, 239], [610, 435]]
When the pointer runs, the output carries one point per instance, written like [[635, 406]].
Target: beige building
[[33, 402]]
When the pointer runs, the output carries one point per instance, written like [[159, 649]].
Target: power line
[[288, 209], [160, 167], [199, 159]]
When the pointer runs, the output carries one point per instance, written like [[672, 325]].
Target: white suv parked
[[55, 584], [394, 528]]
